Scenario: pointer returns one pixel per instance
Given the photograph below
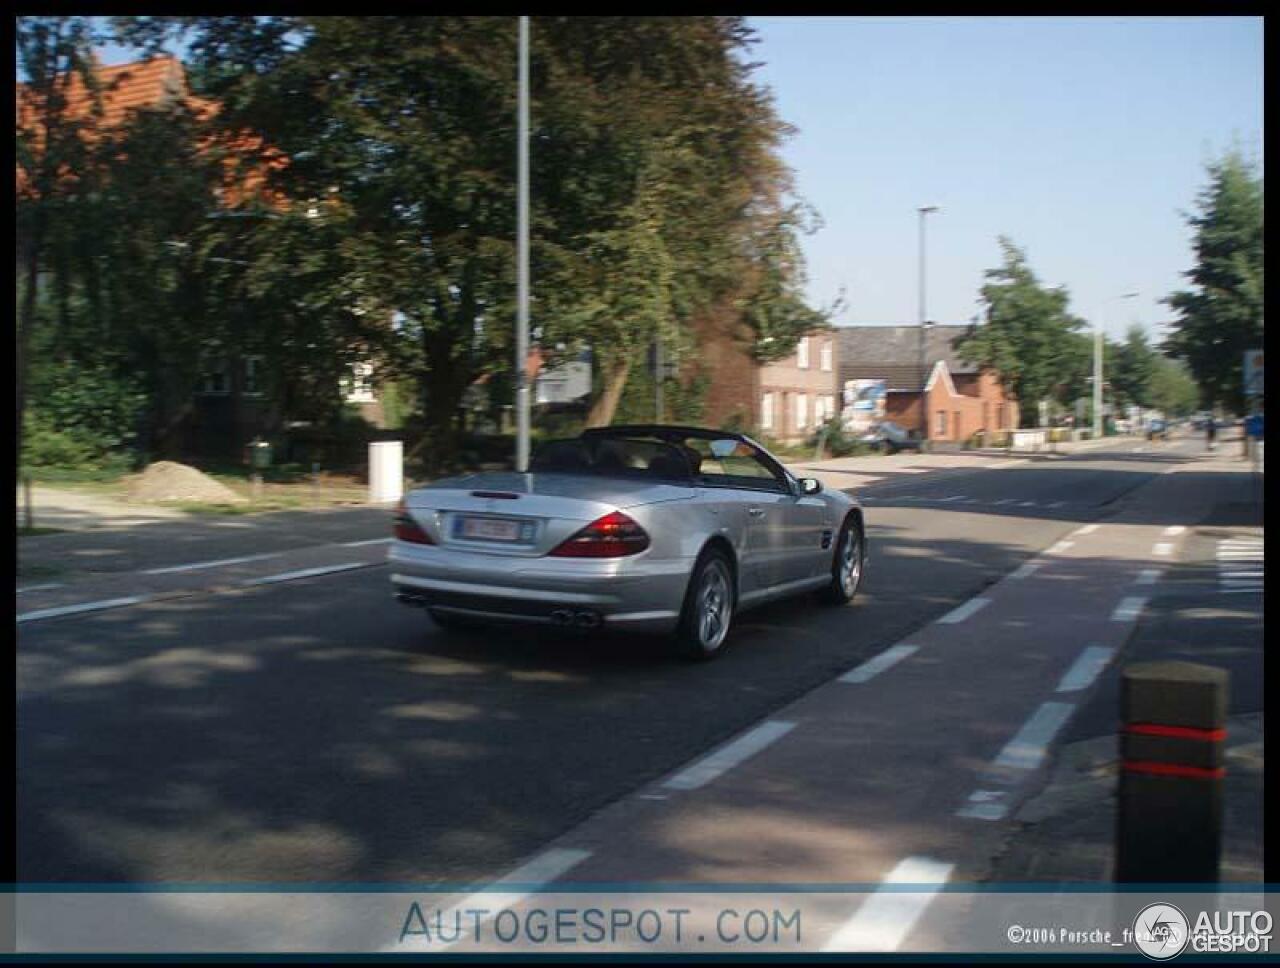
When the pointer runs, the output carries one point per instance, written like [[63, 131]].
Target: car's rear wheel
[[847, 564], [708, 607]]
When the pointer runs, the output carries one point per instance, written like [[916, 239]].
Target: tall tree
[[55, 56], [1133, 364], [1220, 316], [1028, 334], [1171, 389]]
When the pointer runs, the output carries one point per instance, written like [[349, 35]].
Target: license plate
[[493, 529]]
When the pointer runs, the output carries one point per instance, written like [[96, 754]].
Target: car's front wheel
[[847, 564], [708, 607]]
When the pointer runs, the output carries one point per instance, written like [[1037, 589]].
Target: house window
[[942, 423], [828, 407], [214, 378], [360, 386], [802, 410], [766, 412], [825, 357], [802, 353], [252, 376]]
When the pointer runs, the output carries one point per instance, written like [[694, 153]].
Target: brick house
[[880, 377], [785, 400], [797, 393], [232, 400]]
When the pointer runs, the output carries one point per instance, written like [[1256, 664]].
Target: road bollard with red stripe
[[1173, 732]]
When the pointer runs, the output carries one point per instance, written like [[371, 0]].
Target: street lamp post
[[1097, 362], [522, 257], [923, 210]]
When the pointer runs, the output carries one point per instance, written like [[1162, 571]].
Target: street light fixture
[[923, 210], [1097, 362]]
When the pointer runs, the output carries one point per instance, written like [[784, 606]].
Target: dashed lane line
[[493, 898], [1086, 669], [81, 607], [306, 573], [965, 611], [1128, 609], [200, 565], [720, 761], [884, 920], [878, 664]]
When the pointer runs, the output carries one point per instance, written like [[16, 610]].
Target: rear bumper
[[635, 593]]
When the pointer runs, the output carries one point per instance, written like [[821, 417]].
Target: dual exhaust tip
[[582, 620], [562, 617]]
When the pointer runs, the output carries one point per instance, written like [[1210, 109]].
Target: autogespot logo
[[1161, 931]]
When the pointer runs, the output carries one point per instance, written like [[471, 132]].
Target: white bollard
[[386, 471]]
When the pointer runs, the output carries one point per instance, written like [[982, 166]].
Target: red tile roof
[[153, 83]]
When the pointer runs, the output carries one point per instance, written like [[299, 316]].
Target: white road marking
[[1027, 504], [1006, 500], [1128, 609], [371, 541], [1057, 504], [1149, 576], [81, 607], [1028, 569], [1174, 529], [954, 497], [727, 757], [1060, 547], [986, 805], [1087, 529], [884, 920], [525, 880], [1242, 574], [957, 615], [1031, 744], [210, 564], [305, 573], [1085, 669], [39, 588], [877, 664], [1162, 549]]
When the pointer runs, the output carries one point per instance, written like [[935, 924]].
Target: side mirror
[[810, 486]]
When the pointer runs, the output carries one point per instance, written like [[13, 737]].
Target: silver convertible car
[[651, 528]]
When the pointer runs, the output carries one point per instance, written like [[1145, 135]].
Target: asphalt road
[[313, 730]]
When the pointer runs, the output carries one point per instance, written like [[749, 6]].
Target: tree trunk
[[26, 323], [605, 405]]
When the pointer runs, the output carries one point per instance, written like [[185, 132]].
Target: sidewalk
[[1067, 832], [858, 472]]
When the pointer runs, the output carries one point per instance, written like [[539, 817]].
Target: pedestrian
[[1210, 431]]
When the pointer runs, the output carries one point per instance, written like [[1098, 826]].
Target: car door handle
[[756, 512]]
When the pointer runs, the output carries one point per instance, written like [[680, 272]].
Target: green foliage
[[1131, 369], [836, 441], [682, 402], [78, 415], [1027, 336], [1171, 389], [1220, 317]]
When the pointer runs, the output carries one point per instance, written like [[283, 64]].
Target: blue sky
[[1080, 138]]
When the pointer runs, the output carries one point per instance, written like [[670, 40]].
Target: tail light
[[407, 529], [613, 536]]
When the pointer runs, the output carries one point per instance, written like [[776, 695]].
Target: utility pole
[[1097, 363], [923, 210], [522, 257], [657, 378]]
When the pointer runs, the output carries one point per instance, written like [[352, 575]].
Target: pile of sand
[[166, 480]]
